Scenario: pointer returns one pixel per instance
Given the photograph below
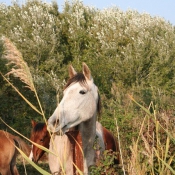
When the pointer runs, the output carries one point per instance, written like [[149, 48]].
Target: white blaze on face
[[31, 154]]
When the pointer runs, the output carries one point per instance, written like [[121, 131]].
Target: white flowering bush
[[36, 31]]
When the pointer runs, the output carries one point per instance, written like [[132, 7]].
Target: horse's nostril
[[56, 122]]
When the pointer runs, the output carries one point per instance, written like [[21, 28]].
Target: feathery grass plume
[[20, 68]]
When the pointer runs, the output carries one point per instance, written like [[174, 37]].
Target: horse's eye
[[41, 140], [82, 92]]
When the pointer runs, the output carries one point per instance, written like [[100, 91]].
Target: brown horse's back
[[111, 143], [21, 144], [7, 154]]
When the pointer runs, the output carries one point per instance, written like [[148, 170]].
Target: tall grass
[[153, 151]]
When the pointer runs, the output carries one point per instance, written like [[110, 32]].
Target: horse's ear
[[72, 71], [33, 123], [86, 71]]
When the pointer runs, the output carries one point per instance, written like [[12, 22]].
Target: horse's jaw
[[56, 130], [71, 125]]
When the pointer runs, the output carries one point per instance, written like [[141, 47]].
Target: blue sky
[[162, 8]]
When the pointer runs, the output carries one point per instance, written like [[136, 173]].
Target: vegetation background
[[131, 56]]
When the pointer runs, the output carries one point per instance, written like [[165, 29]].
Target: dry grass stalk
[[121, 156], [20, 68], [148, 150], [134, 166]]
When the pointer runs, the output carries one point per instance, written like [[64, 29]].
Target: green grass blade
[[32, 163], [167, 148], [146, 110], [164, 162]]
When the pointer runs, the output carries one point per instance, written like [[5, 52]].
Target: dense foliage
[[128, 53]]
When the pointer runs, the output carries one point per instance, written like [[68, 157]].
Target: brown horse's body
[[107, 141], [110, 143], [8, 152]]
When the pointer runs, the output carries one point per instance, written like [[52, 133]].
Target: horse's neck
[[88, 131]]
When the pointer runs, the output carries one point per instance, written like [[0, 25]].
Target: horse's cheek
[[91, 108]]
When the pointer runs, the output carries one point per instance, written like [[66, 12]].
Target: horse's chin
[[70, 126], [56, 130], [53, 129], [64, 130]]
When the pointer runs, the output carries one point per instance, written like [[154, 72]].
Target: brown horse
[[8, 152], [41, 136]]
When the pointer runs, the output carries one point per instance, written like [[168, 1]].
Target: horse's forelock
[[78, 78], [38, 127]]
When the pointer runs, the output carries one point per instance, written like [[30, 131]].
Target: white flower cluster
[[77, 17], [3, 8], [37, 26]]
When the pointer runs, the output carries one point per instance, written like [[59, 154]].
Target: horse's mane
[[80, 78], [99, 105], [38, 127]]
